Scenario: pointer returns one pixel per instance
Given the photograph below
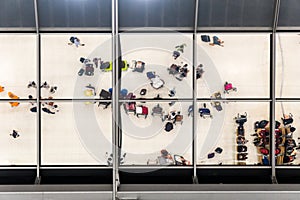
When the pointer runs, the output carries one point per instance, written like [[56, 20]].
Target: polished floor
[[80, 133]]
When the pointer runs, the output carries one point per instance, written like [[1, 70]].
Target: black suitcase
[[205, 38], [169, 126], [81, 71], [218, 150], [210, 155]]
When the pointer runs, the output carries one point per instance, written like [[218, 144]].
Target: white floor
[[80, 134], [244, 61], [287, 65]]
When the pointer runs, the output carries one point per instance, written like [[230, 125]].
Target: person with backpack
[[76, 41]]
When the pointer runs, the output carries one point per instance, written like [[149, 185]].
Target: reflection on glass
[[226, 133], [286, 134], [80, 66], [18, 134], [75, 133], [156, 133], [225, 64]]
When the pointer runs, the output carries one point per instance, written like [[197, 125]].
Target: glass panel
[[18, 134], [220, 139], [246, 68], [287, 68], [235, 13], [166, 127], [287, 138], [17, 13], [18, 65], [153, 67], [74, 69], [156, 13], [65, 13], [289, 13], [75, 133]]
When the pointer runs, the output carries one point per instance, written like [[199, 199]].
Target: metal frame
[[273, 95], [38, 92], [116, 86]]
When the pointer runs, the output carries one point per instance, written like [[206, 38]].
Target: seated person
[[217, 41], [90, 91], [1, 88], [199, 71], [242, 156], [180, 160], [184, 70], [174, 68], [166, 155], [241, 140], [204, 111], [287, 119]]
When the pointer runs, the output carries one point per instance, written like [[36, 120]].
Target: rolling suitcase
[[81, 71], [205, 38]]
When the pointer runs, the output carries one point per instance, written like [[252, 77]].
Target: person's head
[[164, 152], [30, 97], [55, 106], [292, 129]]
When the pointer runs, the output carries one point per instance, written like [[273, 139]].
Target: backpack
[[169, 126]]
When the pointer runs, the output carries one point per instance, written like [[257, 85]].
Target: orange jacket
[[1, 89], [13, 96]]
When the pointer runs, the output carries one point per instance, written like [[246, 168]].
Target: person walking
[[15, 134], [76, 41]]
